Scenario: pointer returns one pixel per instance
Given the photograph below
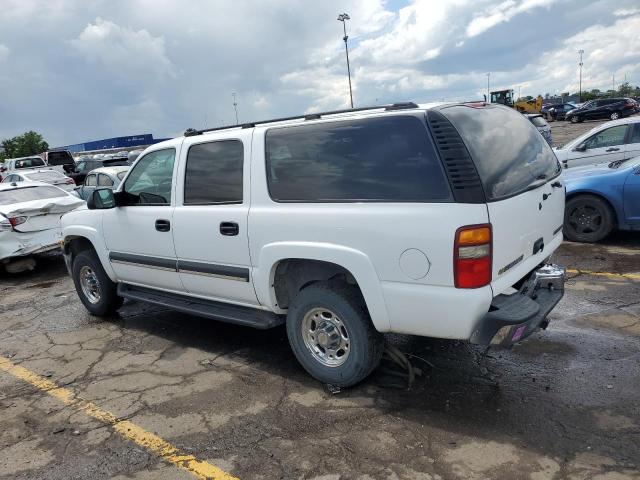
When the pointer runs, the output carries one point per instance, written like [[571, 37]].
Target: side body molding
[[355, 261]]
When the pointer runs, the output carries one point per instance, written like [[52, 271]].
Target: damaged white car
[[30, 221]]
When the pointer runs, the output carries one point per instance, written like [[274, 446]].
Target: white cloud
[[625, 12], [501, 13], [4, 52], [124, 51]]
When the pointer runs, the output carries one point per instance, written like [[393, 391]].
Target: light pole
[[519, 87], [488, 92], [343, 17], [235, 106], [580, 89]]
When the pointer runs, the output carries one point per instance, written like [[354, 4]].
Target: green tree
[[29, 143]]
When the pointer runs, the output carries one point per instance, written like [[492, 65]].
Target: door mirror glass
[[101, 199]]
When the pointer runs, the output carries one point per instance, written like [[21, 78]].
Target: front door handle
[[163, 225], [612, 149], [229, 229]]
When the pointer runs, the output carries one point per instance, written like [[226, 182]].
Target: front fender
[[355, 261], [91, 233]]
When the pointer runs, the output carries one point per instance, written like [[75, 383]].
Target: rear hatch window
[[29, 163], [60, 158], [507, 150]]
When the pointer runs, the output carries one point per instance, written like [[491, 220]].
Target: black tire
[[345, 302], [574, 119], [108, 301], [588, 218]]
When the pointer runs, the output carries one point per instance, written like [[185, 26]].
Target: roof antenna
[[235, 106]]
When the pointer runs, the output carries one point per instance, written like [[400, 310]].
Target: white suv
[[432, 220]]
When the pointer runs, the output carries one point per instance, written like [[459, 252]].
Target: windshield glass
[[508, 151], [18, 195]]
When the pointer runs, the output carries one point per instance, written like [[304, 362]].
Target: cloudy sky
[[79, 70]]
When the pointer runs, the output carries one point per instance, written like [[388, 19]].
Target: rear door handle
[[229, 229], [612, 149], [163, 225]]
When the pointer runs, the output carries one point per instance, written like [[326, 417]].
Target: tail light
[[10, 222], [472, 262]]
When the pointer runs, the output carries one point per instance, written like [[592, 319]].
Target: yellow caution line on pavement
[[127, 429], [630, 276]]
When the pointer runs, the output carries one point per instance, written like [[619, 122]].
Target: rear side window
[[214, 173], [60, 158], [17, 195], [507, 150], [386, 159], [635, 136]]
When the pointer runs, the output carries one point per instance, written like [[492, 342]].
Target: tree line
[[29, 143]]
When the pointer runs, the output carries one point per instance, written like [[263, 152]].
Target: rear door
[[210, 219], [520, 176]]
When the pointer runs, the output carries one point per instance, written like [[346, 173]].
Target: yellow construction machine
[[505, 97]]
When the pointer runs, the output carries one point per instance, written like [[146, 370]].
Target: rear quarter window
[[384, 159], [506, 148]]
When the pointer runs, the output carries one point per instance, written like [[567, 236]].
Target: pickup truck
[[34, 162], [435, 220]]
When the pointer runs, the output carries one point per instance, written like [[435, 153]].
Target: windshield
[[19, 195]]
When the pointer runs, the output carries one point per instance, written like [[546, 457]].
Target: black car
[[83, 167], [60, 157], [559, 111], [612, 108]]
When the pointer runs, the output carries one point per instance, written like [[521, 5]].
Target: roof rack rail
[[189, 132]]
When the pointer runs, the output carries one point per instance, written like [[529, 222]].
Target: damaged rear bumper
[[513, 318]]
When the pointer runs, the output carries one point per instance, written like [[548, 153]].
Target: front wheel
[[587, 219], [331, 334], [574, 119], [96, 290], [614, 115]]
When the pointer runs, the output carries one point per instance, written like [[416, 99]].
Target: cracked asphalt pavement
[[564, 404]]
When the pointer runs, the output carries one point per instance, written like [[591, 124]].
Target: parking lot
[[154, 394]]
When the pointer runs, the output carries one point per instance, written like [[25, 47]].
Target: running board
[[224, 312]]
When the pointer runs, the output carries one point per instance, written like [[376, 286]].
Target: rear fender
[[355, 261]]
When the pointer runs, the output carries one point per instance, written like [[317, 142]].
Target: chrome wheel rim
[[326, 337], [90, 285], [614, 116]]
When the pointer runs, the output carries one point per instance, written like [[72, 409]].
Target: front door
[[210, 219], [139, 235], [605, 146], [632, 198]]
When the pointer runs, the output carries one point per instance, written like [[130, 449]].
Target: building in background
[[120, 143]]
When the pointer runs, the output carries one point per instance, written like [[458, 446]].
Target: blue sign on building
[[116, 142]]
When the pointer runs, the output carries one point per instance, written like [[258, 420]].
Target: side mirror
[[101, 199], [581, 148]]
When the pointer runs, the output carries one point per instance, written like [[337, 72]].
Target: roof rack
[[310, 116]]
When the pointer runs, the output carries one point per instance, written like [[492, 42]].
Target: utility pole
[[488, 92], [580, 90], [343, 17], [235, 106], [613, 85]]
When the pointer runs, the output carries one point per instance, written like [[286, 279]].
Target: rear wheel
[[614, 115], [587, 219], [95, 289], [575, 119], [331, 334]]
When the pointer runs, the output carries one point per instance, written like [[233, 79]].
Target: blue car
[[601, 198]]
